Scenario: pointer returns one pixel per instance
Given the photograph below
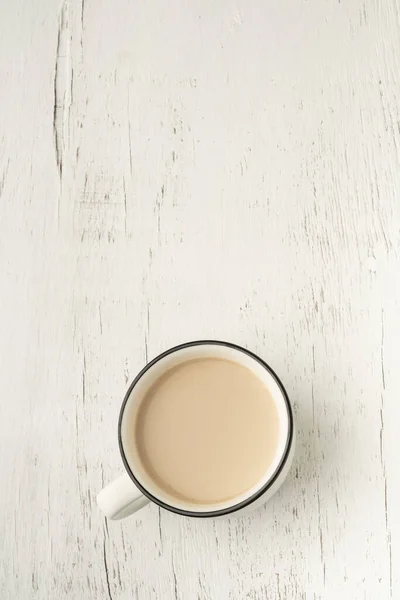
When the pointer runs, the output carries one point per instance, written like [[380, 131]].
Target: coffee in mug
[[206, 429]]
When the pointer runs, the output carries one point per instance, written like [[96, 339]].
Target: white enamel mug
[[134, 489]]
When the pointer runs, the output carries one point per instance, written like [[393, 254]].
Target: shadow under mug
[[133, 490]]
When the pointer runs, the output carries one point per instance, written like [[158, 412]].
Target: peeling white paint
[[199, 170]]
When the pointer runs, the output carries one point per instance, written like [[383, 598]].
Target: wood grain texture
[[171, 171]]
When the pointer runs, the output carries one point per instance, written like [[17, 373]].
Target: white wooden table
[[180, 170]]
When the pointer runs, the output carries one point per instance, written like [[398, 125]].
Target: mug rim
[[244, 503]]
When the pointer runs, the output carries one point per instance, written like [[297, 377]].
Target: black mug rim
[[264, 488]]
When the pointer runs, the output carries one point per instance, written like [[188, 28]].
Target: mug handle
[[120, 498]]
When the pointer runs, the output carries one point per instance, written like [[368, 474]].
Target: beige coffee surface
[[207, 430]]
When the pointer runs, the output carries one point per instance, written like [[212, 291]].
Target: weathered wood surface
[[170, 171]]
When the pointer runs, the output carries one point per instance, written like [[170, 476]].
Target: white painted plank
[[176, 171]]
